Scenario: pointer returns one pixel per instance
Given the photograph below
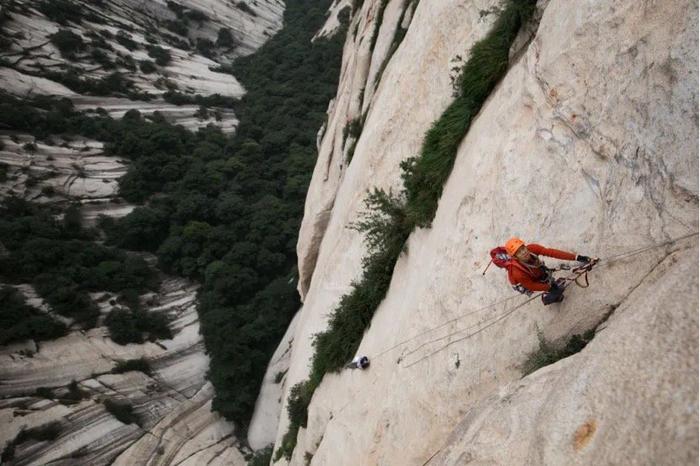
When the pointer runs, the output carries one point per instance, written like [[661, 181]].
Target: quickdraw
[[581, 272]]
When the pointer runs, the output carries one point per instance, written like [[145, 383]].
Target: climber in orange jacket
[[527, 273]]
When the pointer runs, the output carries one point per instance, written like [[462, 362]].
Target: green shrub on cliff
[[547, 353], [424, 175], [19, 321]]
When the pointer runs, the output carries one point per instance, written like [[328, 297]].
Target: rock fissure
[[223, 439]]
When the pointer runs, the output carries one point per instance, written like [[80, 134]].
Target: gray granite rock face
[[587, 144]]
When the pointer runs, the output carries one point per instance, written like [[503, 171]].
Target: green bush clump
[[147, 66], [213, 100], [44, 392], [195, 15], [98, 39], [175, 8], [19, 321], [74, 395], [124, 38], [62, 262], [178, 27], [225, 38], [67, 42], [137, 326], [61, 11], [261, 457], [297, 409], [123, 411], [29, 147], [66, 298], [44, 432], [353, 130], [392, 218], [140, 365], [547, 353], [159, 54], [112, 84], [144, 229], [184, 16], [99, 56], [205, 47]]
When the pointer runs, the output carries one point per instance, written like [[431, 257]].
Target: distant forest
[[222, 210]]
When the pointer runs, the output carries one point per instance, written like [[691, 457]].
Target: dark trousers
[[555, 295]]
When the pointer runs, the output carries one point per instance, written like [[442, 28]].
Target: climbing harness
[[548, 278]]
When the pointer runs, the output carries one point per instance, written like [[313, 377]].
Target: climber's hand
[[584, 259]]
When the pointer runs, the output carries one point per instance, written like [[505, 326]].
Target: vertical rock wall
[[588, 144]]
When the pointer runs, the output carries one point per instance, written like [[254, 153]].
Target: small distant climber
[[527, 273], [360, 362]]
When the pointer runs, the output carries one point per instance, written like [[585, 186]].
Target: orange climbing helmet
[[512, 246]]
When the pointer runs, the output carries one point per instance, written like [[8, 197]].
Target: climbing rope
[[494, 322], [445, 324], [579, 273], [459, 317], [635, 252]]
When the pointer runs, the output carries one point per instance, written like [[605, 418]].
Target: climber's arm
[[555, 253]]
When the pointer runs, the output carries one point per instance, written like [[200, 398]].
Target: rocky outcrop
[[263, 426], [588, 144], [67, 170], [333, 22], [188, 435], [177, 379], [122, 35]]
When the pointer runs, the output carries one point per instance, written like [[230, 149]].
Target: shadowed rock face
[[173, 402], [588, 144]]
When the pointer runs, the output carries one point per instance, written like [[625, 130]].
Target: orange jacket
[[531, 276]]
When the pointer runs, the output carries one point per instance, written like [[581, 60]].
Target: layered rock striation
[[67, 385]]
